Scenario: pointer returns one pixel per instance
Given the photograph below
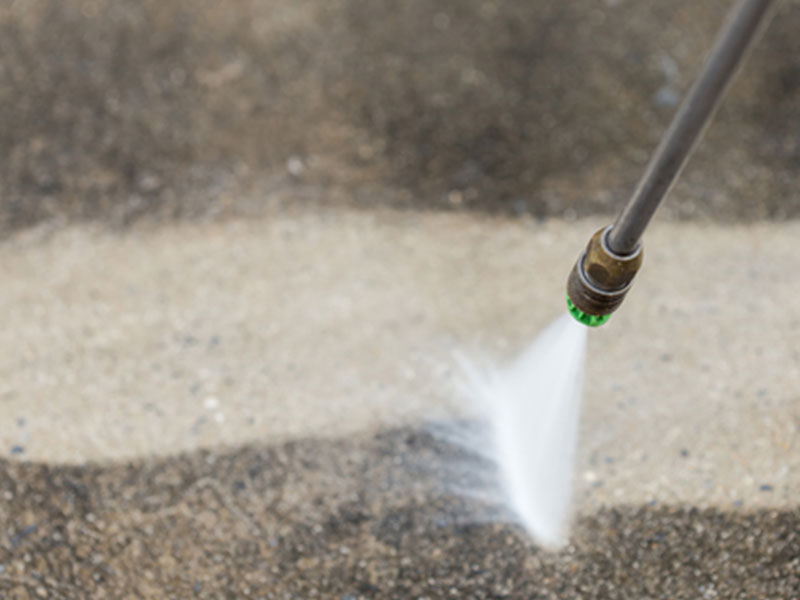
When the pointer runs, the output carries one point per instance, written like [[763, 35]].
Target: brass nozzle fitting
[[600, 279]]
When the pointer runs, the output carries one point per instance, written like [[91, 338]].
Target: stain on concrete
[[364, 517], [118, 110]]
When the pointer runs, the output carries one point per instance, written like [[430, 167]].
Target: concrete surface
[[120, 109], [324, 323], [225, 364], [244, 410], [357, 518]]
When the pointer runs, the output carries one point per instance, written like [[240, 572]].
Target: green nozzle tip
[[585, 318]]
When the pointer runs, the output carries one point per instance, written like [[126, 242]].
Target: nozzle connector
[[584, 318], [600, 279]]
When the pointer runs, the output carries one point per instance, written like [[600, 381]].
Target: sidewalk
[[320, 325]]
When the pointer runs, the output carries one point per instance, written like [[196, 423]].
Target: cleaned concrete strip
[[320, 324]]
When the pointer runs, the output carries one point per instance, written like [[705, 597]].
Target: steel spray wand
[[603, 274]]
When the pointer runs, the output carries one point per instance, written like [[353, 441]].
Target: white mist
[[532, 407]]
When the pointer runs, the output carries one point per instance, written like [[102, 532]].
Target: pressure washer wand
[[603, 274]]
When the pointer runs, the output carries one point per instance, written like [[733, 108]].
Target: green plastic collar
[[585, 318]]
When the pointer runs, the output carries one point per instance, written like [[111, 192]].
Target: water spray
[[603, 274], [533, 404]]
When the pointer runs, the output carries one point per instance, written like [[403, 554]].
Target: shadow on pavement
[[365, 517]]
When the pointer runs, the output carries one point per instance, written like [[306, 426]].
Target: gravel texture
[[366, 517], [119, 109]]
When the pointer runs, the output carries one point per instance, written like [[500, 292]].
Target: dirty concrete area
[[366, 517], [118, 110]]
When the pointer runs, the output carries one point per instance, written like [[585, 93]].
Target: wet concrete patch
[[370, 516]]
